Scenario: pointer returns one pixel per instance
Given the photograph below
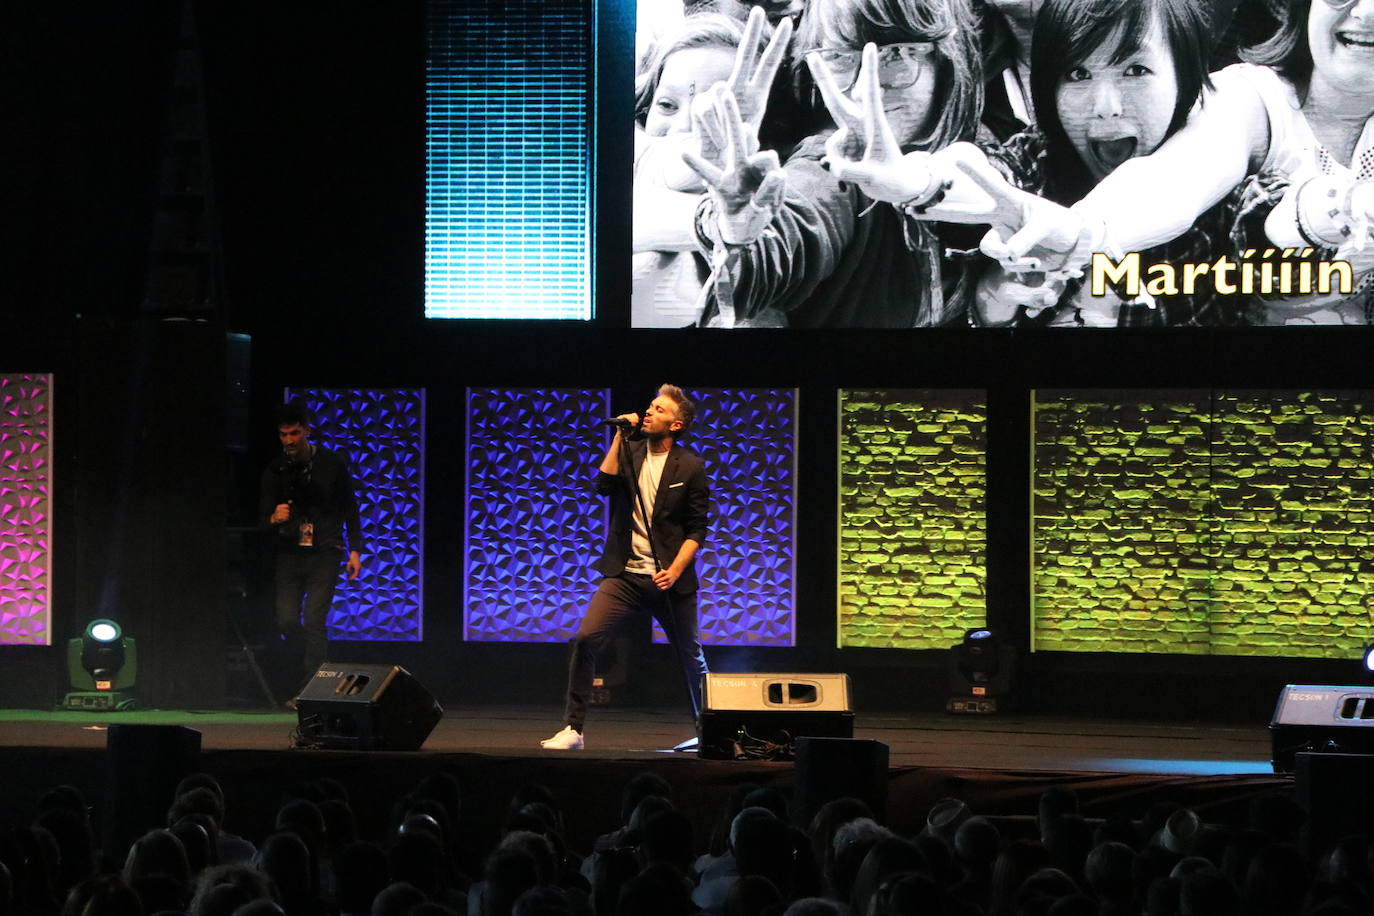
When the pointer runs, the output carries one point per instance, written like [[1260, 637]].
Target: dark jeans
[[616, 598], [305, 590]]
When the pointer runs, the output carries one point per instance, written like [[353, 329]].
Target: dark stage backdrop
[[316, 120]]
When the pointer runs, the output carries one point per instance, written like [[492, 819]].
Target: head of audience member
[[1276, 880], [1162, 897], [509, 872], [260, 908], [285, 859], [1054, 803], [939, 859], [195, 840], [360, 873], [667, 839], [200, 781], [976, 844], [762, 844], [302, 817], [539, 849], [75, 841], [849, 848], [417, 857], [397, 899], [421, 823], [1207, 892], [610, 871], [648, 807], [1117, 829], [656, 891], [1107, 872], [639, 787], [157, 852], [444, 788], [1278, 817], [221, 889], [1045, 886], [752, 895], [816, 906], [944, 818], [1073, 905], [1180, 833], [1348, 860], [1068, 840], [538, 816], [890, 856], [32, 868], [1111, 80], [102, 895], [827, 820], [198, 800], [682, 65], [768, 797], [543, 901], [930, 62], [720, 830], [1017, 861], [340, 825]]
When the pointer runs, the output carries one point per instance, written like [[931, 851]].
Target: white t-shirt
[[650, 473]]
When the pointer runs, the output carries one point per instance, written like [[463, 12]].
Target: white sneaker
[[569, 739]]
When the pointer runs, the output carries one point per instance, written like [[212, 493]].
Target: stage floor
[[998, 765], [1023, 743]]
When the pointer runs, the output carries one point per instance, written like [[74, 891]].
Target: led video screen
[[913, 517], [1137, 165], [1203, 522]]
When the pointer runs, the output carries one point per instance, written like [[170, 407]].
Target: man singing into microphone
[[307, 501], [660, 503]]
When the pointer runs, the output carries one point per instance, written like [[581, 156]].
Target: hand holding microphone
[[627, 421]]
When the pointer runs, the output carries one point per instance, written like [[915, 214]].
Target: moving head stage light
[[102, 666]]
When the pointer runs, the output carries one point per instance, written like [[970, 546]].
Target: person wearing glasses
[[798, 247], [1299, 112]]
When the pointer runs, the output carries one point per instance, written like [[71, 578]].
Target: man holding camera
[[307, 502]]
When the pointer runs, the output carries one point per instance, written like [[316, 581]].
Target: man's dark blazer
[[681, 511]]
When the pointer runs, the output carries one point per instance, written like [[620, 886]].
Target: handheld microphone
[[618, 422]]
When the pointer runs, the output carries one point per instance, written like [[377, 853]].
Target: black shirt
[[320, 492]]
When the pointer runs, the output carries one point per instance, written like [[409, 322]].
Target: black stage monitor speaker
[[1337, 792], [365, 707], [1311, 717], [831, 768], [143, 764], [761, 715]]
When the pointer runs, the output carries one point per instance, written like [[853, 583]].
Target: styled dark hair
[[686, 410], [1287, 50], [951, 24], [1067, 32], [294, 413]]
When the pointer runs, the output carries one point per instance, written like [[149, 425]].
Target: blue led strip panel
[[748, 438], [533, 524], [508, 160], [382, 431]]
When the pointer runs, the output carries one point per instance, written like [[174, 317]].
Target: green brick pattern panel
[[913, 534], [1234, 523]]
